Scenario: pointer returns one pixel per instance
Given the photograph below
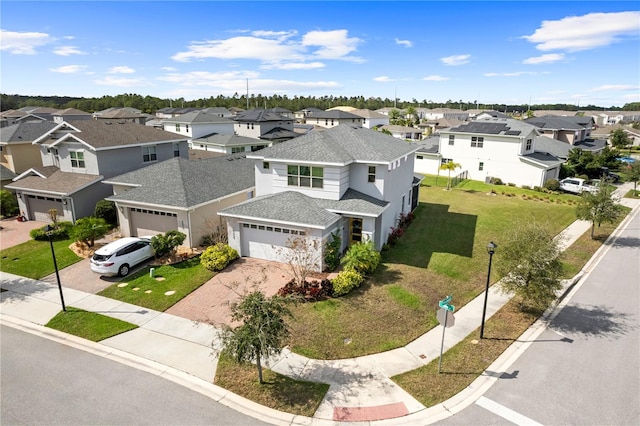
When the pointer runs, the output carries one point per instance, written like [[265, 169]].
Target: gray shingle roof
[[258, 115], [25, 131], [543, 158], [430, 145], [336, 113], [60, 183], [279, 133], [495, 126], [6, 174], [342, 144], [559, 123], [183, 183], [354, 202], [229, 140], [199, 117]]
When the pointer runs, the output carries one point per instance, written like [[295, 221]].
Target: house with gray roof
[[70, 114], [263, 124], [78, 155], [197, 124], [229, 144], [17, 152], [568, 129], [181, 194], [371, 119], [333, 118], [347, 180]]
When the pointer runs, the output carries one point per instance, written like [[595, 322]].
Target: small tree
[[619, 138], [633, 175], [88, 229], [8, 203], [53, 216], [302, 254], [450, 166], [332, 251], [167, 243], [361, 257], [530, 266], [263, 330], [106, 209], [599, 207]]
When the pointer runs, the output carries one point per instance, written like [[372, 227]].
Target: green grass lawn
[[88, 325], [33, 259], [143, 290], [443, 252]]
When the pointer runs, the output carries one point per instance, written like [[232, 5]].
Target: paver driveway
[[210, 302], [14, 232]]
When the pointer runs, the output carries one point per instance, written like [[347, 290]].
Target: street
[[44, 382], [585, 368]]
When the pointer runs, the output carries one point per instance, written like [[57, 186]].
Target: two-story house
[[17, 153], [229, 144], [371, 119], [198, 124], [347, 180], [76, 156], [262, 124], [333, 118], [500, 148], [568, 129]]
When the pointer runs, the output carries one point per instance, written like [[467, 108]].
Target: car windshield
[[101, 257]]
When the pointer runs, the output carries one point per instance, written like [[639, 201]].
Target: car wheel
[[123, 270]]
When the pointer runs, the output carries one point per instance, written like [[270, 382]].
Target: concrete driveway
[[14, 232]]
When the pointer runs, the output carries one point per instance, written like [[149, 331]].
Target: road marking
[[505, 412]]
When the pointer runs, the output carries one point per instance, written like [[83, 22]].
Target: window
[[186, 128], [177, 127], [477, 141], [372, 174], [306, 176], [445, 161], [149, 154], [176, 149], [247, 125], [255, 148], [528, 146], [237, 149], [419, 157], [452, 139], [265, 165], [481, 166], [326, 122], [77, 159]]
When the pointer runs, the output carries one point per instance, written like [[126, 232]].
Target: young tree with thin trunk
[[302, 255], [633, 175], [599, 207], [450, 166]]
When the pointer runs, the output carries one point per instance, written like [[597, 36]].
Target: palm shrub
[[361, 257], [8, 203], [218, 256], [167, 243], [88, 229], [346, 281]]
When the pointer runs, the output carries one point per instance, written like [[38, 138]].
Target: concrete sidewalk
[[360, 388]]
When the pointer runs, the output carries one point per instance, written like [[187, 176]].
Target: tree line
[[150, 104]]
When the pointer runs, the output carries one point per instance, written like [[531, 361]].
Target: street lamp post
[[491, 248], [49, 230]]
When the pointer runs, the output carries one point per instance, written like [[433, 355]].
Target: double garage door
[[145, 222], [39, 207]]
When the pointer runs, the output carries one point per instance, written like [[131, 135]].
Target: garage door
[[151, 222], [266, 242], [40, 206]]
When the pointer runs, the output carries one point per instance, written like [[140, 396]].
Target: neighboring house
[[281, 111], [219, 111], [333, 118], [11, 116], [605, 133], [403, 132], [122, 114], [70, 114], [229, 144], [75, 158], [569, 129], [347, 180], [490, 114], [561, 149], [610, 118], [371, 119], [45, 113], [17, 152], [6, 176], [180, 194], [500, 148], [428, 156], [448, 113], [170, 112], [259, 124], [433, 126], [197, 124], [301, 115]]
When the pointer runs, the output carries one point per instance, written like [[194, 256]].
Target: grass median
[[88, 325], [32, 259]]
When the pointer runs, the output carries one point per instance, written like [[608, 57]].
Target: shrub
[[394, 235], [361, 257], [61, 232], [346, 281], [88, 229], [552, 184], [217, 257], [308, 291], [163, 244], [106, 210], [511, 184], [526, 187], [495, 181], [332, 252], [8, 203], [537, 189]]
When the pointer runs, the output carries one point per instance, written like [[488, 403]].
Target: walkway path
[[360, 388]]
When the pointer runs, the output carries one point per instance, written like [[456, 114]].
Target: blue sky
[[513, 52]]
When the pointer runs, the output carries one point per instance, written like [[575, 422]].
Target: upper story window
[[305, 176], [477, 142], [186, 128], [149, 154], [176, 149], [177, 127], [372, 174], [265, 165], [528, 145], [481, 166], [452, 139], [445, 161], [237, 149], [77, 159]]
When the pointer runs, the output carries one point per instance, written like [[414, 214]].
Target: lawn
[[443, 252], [32, 259], [88, 325], [169, 284], [279, 392]]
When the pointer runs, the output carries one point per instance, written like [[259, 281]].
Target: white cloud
[[334, 44], [122, 82], [405, 43], [512, 74], [24, 43], [206, 78], [456, 60], [169, 69], [383, 79], [607, 87], [544, 59], [67, 51], [280, 35], [69, 69], [294, 66], [121, 70], [585, 32], [435, 78]]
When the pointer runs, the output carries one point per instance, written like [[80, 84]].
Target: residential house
[[347, 180], [569, 129], [198, 124], [6, 176], [122, 114], [301, 115], [181, 194], [219, 111], [428, 158], [499, 148], [70, 114], [448, 113], [171, 112], [45, 113], [76, 156], [260, 124], [17, 152], [333, 118], [12, 116], [371, 119], [403, 132], [430, 127], [605, 133], [229, 144]]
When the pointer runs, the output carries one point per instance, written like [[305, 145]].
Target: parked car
[[613, 177], [576, 186], [118, 257]]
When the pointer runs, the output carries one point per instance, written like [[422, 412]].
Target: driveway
[[210, 303], [14, 232]]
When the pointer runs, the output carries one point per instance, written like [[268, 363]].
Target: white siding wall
[[264, 178], [359, 175], [370, 123], [429, 164], [90, 159], [333, 176], [197, 130]]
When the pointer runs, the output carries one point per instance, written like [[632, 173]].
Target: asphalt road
[[44, 382], [585, 368]]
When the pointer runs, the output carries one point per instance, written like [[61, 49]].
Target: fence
[[459, 178]]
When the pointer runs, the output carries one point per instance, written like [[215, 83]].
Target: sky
[[504, 52]]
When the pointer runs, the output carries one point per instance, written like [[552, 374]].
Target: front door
[[355, 230]]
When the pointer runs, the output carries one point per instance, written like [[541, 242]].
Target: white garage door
[[151, 222], [40, 206], [265, 242]]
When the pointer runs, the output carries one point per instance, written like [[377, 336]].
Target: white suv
[[118, 257]]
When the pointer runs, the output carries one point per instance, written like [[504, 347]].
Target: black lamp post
[[491, 248], [49, 230]]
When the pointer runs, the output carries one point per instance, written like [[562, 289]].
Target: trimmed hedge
[[217, 257], [346, 281], [61, 232]]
